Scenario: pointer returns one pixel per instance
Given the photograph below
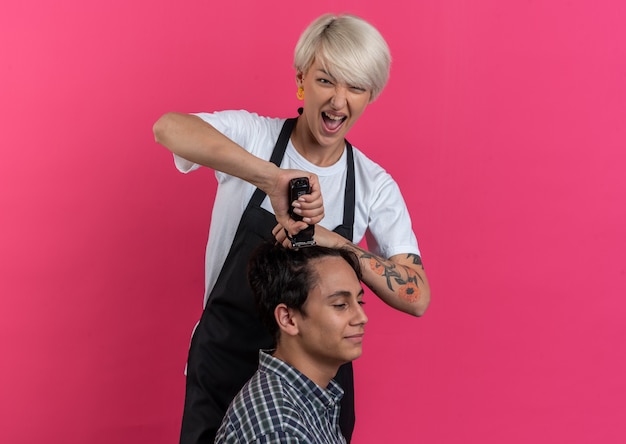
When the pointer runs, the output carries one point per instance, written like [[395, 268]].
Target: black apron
[[224, 351]]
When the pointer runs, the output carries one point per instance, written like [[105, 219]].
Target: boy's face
[[333, 324]]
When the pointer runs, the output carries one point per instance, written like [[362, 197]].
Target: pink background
[[503, 122]]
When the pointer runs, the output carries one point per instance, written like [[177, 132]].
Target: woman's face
[[330, 107]]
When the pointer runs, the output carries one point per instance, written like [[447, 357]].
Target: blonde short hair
[[349, 48]]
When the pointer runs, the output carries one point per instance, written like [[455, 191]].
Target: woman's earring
[[300, 93]]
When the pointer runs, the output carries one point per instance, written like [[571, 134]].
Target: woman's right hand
[[309, 206]]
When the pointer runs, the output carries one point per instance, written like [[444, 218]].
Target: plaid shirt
[[281, 405]]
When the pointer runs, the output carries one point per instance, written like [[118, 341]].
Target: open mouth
[[331, 122]]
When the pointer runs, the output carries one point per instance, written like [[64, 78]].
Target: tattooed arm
[[399, 281]]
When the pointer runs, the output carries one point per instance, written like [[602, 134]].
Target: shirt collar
[[321, 398]]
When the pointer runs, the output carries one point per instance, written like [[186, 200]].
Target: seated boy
[[311, 301]]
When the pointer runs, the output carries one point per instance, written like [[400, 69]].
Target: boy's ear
[[285, 319]]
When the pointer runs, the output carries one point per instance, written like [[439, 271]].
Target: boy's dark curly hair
[[283, 275]]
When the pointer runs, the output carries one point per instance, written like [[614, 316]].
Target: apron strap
[[277, 156], [349, 196], [283, 140]]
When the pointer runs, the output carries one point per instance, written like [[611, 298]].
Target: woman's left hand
[[322, 236]]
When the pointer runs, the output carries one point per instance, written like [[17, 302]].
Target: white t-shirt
[[380, 215]]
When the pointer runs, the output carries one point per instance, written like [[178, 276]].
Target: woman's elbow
[[421, 305], [160, 127]]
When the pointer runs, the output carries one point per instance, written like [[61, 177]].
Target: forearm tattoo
[[416, 259], [402, 280]]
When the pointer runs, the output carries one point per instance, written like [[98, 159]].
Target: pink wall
[[504, 123]]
